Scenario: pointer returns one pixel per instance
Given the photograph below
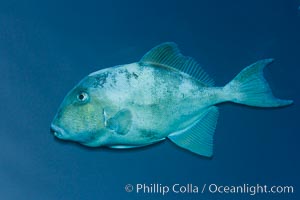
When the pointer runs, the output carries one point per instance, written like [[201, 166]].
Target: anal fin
[[199, 138]]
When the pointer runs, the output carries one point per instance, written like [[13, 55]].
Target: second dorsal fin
[[168, 54]]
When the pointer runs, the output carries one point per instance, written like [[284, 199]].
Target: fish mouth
[[57, 131]]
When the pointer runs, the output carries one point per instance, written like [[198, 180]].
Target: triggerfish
[[164, 95]]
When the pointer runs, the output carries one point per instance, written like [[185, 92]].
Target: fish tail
[[250, 88]]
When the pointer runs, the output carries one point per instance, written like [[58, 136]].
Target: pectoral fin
[[199, 138], [121, 122]]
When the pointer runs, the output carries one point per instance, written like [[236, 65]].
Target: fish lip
[[57, 131]]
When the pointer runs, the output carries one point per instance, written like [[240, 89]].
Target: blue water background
[[46, 47]]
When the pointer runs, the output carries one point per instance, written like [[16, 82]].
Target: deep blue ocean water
[[46, 47]]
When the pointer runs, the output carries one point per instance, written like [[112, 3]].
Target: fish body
[[164, 95]]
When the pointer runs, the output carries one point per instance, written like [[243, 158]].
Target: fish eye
[[82, 97]]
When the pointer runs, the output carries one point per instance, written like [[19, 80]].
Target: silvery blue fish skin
[[164, 95]]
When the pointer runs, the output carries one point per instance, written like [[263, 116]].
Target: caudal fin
[[249, 87]]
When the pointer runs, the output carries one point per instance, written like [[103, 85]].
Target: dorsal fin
[[168, 54]]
